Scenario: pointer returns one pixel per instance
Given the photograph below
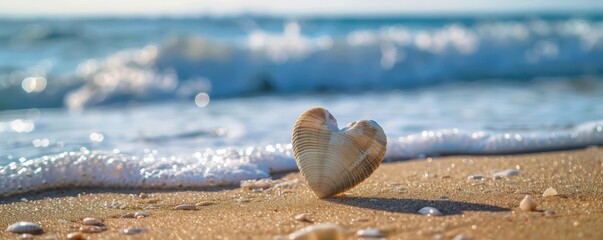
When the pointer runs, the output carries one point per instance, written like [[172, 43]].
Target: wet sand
[[388, 200]]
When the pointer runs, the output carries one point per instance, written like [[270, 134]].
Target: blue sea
[[210, 101]]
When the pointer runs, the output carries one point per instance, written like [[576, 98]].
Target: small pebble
[[25, 227], [370, 233], [302, 217], [92, 229], [205, 203], [475, 177], [550, 192], [26, 236], [319, 231], [141, 214], [75, 236], [430, 211], [444, 197], [505, 173], [128, 215], [132, 231], [143, 195], [91, 221], [528, 203], [151, 207], [186, 207]]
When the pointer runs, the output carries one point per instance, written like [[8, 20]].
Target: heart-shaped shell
[[333, 160]]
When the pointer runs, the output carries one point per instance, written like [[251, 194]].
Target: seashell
[[550, 192], [25, 227], [319, 231], [333, 160], [141, 214], [75, 236], [430, 211], [186, 207], [528, 203], [91, 221]]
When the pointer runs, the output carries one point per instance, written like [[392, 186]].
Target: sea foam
[[229, 166]]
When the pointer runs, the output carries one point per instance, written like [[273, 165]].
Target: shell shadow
[[412, 206]]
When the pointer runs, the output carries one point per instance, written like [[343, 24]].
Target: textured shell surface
[[25, 227], [334, 160]]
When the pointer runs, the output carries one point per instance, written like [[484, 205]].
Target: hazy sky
[[23, 8]]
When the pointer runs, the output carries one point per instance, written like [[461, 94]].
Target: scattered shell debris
[[475, 177], [25, 227], [550, 192], [320, 231], [430, 211], [75, 236], [528, 203], [370, 233], [92, 221], [505, 173], [186, 207], [151, 207], [132, 231]]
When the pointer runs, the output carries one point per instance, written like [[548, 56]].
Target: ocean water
[[196, 102]]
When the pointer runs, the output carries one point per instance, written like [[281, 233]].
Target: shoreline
[[388, 200]]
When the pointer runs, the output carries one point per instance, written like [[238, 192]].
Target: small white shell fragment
[[186, 207], [25, 227], [141, 214], [475, 177], [319, 231], [303, 217], [75, 236], [132, 231], [430, 211], [528, 203], [91, 221], [550, 192], [370, 233], [506, 173]]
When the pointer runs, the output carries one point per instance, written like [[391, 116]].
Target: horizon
[[272, 8]]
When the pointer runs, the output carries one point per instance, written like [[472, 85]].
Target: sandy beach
[[388, 200]]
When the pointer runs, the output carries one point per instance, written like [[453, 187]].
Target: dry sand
[[388, 200]]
